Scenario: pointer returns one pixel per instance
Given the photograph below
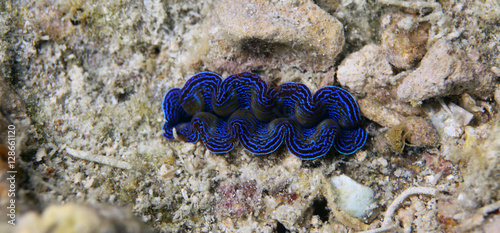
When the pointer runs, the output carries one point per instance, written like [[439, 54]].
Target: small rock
[[460, 115], [450, 119], [403, 39], [367, 67], [379, 113], [77, 77], [437, 164], [315, 221], [292, 163], [431, 179], [353, 198], [407, 216], [361, 156], [187, 148], [166, 171], [398, 172], [445, 71], [260, 32], [40, 154], [383, 162], [420, 132]]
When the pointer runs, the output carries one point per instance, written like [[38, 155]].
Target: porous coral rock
[[368, 74], [478, 193], [379, 106], [403, 39], [379, 113], [366, 67], [360, 19], [272, 33], [445, 70]]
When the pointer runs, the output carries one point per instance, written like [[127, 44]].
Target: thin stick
[[106, 160], [399, 199]]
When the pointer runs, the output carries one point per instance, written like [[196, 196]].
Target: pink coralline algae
[[238, 198], [437, 163]]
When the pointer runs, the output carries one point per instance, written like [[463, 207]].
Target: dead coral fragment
[[344, 218], [404, 39], [450, 119], [353, 198], [444, 71]]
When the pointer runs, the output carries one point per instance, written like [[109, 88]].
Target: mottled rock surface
[[404, 39], [379, 113], [365, 69], [443, 71], [272, 33]]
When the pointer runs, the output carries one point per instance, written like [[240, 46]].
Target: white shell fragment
[[352, 197], [450, 120]]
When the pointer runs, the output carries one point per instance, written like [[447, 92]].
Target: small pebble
[[383, 162]]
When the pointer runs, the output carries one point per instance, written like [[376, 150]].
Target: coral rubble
[[83, 84]]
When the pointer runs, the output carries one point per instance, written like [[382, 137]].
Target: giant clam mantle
[[244, 108]]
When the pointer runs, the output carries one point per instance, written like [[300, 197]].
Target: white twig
[[489, 208], [388, 224], [110, 161], [399, 199], [413, 4], [437, 9]]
